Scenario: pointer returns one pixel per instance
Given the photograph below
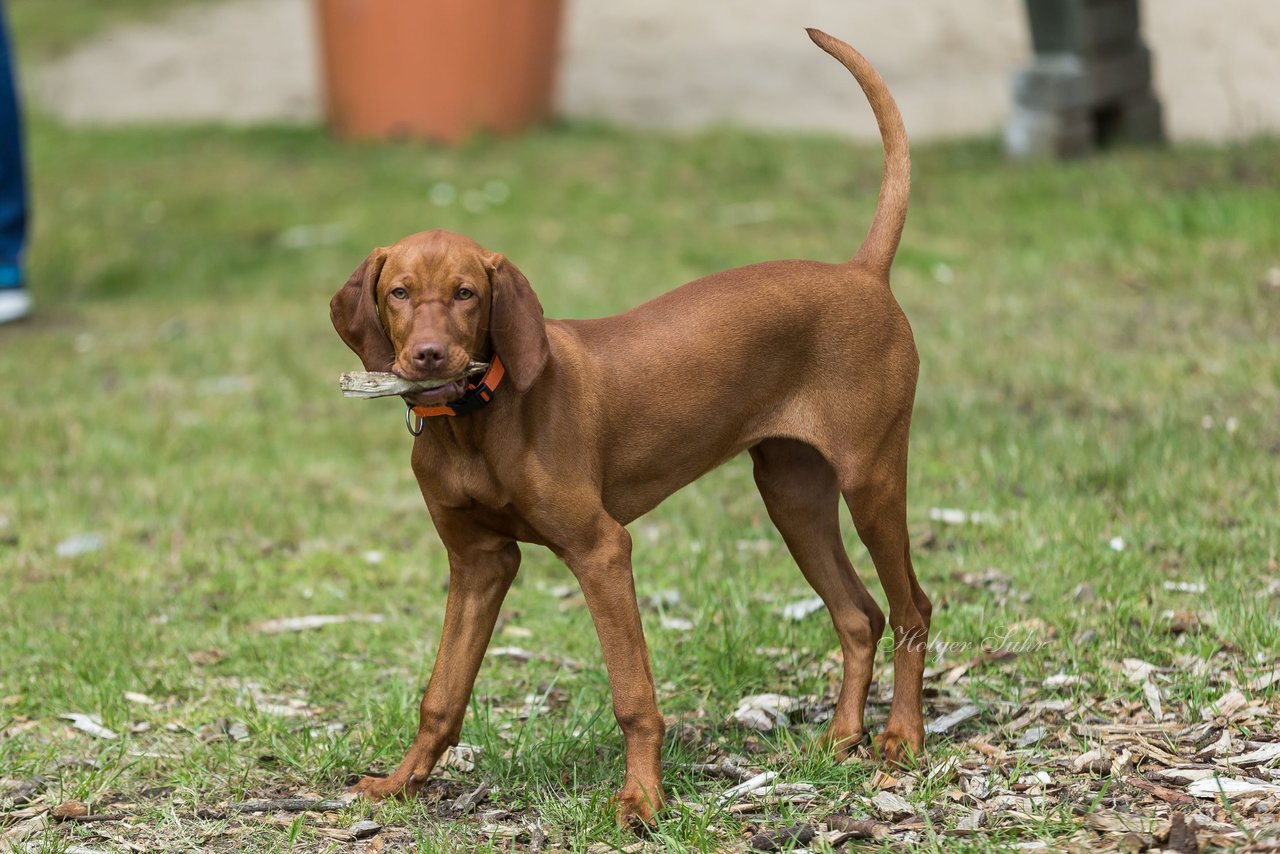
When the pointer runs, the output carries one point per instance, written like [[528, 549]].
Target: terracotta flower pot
[[437, 69]]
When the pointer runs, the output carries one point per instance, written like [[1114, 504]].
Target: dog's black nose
[[428, 355]]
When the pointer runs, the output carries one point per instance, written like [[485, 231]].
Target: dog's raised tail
[[881, 243]]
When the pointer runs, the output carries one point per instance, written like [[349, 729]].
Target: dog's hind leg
[[800, 492], [876, 492]]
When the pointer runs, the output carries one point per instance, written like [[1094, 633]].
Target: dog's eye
[[400, 293], [465, 293]]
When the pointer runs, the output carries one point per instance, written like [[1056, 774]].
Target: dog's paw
[[637, 807], [843, 744], [381, 788], [898, 749]]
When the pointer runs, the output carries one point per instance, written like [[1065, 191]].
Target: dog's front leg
[[602, 565], [478, 582]]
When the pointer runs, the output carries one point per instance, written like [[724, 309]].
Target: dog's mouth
[[437, 391], [446, 393]]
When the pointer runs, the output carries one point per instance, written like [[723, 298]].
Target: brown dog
[[809, 367]]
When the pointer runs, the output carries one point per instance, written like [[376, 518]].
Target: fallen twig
[[724, 769], [282, 805], [359, 830], [787, 837], [92, 817], [312, 621], [757, 782], [1157, 791]]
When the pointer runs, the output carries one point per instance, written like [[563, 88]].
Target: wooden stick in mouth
[[370, 384]]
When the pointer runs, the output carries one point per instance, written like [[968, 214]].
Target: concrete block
[[1052, 82], [1033, 134], [1064, 81]]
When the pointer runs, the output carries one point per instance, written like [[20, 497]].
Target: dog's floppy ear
[[516, 327], [354, 312]]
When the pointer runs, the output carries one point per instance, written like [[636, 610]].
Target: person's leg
[[14, 301]]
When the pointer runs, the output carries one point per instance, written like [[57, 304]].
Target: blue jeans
[[13, 180]]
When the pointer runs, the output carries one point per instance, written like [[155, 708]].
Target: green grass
[[1079, 326]]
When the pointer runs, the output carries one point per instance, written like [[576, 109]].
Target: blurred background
[[672, 64]]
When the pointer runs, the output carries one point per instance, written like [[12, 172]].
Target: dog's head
[[426, 306]]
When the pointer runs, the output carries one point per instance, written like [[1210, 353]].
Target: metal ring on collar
[[408, 423]]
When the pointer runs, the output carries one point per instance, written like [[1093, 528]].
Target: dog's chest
[[469, 490], [458, 480]]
